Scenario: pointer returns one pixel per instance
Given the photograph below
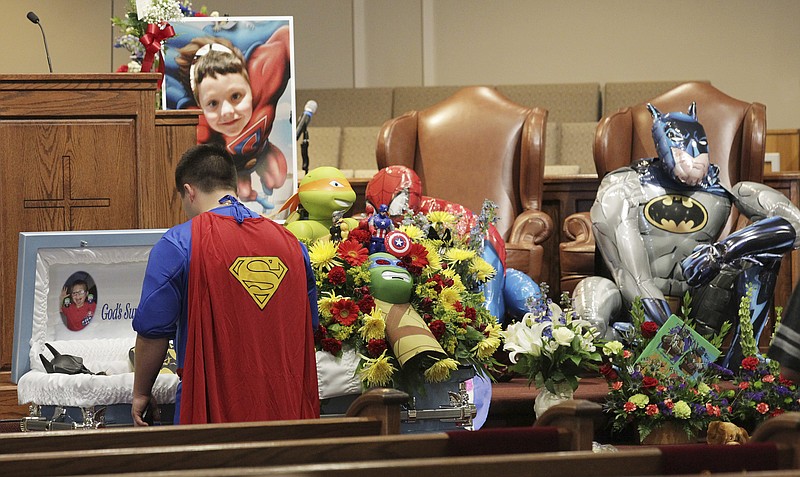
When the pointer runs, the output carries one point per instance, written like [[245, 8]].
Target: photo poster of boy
[[679, 348], [240, 72], [91, 300]]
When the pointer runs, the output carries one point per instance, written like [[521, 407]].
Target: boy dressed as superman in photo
[[238, 92], [236, 293]]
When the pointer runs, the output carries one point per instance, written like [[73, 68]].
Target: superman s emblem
[[260, 276], [676, 213]]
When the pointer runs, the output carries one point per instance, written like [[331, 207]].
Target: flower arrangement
[[761, 391], [645, 395], [550, 346], [447, 271], [133, 28]]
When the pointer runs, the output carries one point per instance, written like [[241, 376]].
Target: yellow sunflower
[[441, 217], [377, 371], [481, 269], [448, 297], [323, 255], [434, 259], [456, 254], [374, 326], [440, 371], [413, 232]]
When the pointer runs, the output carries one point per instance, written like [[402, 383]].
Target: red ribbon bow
[[151, 40]]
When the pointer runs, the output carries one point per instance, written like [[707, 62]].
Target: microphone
[[35, 20], [302, 122]]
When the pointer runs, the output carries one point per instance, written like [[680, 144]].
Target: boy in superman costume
[[236, 293], [238, 92]]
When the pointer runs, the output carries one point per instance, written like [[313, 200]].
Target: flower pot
[[546, 399], [668, 432]]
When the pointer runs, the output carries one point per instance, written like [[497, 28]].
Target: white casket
[[112, 263]]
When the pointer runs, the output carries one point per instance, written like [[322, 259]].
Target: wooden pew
[[375, 412], [295, 452], [645, 460]]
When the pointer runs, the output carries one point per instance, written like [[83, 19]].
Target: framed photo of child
[[240, 72]]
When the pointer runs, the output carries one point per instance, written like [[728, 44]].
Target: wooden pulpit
[[78, 153]]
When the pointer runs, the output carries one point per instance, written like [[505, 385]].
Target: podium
[[77, 152]]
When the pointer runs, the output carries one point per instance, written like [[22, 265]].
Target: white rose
[[612, 348], [563, 335]]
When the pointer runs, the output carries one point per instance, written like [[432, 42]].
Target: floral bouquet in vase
[[369, 304], [552, 347], [664, 379], [761, 391]]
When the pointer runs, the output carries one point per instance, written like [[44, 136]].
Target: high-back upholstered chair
[[478, 145], [736, 131]]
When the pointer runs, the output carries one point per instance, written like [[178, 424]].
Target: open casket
[[77, 292], [111, 266]]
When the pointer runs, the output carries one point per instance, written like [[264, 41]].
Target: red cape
[[250, 346]]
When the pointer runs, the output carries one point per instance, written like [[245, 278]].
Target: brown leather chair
[[478, 145], [736, 131]]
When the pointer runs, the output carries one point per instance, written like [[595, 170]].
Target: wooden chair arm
[[576, 257], [531, 227], [578, 229]]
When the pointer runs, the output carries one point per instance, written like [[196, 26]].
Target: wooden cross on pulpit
[[67, 201]]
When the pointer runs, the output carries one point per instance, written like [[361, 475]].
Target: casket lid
[[31, 248]]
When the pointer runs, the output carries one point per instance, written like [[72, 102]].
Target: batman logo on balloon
[[676, 213]]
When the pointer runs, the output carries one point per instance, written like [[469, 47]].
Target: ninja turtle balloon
[[406, 331], [323, 193]]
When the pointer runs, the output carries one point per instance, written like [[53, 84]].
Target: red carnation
[[750, 363], [359, 235], [762, 407], [458, 306], [426, 304], [321, 333], [337, 275], [366, 304], [332, 345], [345, 312], [376, 347], [122, 69], [649, 329], [649, 382], [437, 328], [470, 313]]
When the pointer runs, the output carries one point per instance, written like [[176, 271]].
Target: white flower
[[612, 348], [161, 11], [134, 67], [523, 339], [563, 335]]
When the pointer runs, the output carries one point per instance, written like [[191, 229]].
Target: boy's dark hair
[[78, 282], [210, 65], [207, 167]]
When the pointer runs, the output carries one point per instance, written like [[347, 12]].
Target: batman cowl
[[64, 363]]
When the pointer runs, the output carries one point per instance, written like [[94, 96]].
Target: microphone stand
[[304, 150]]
